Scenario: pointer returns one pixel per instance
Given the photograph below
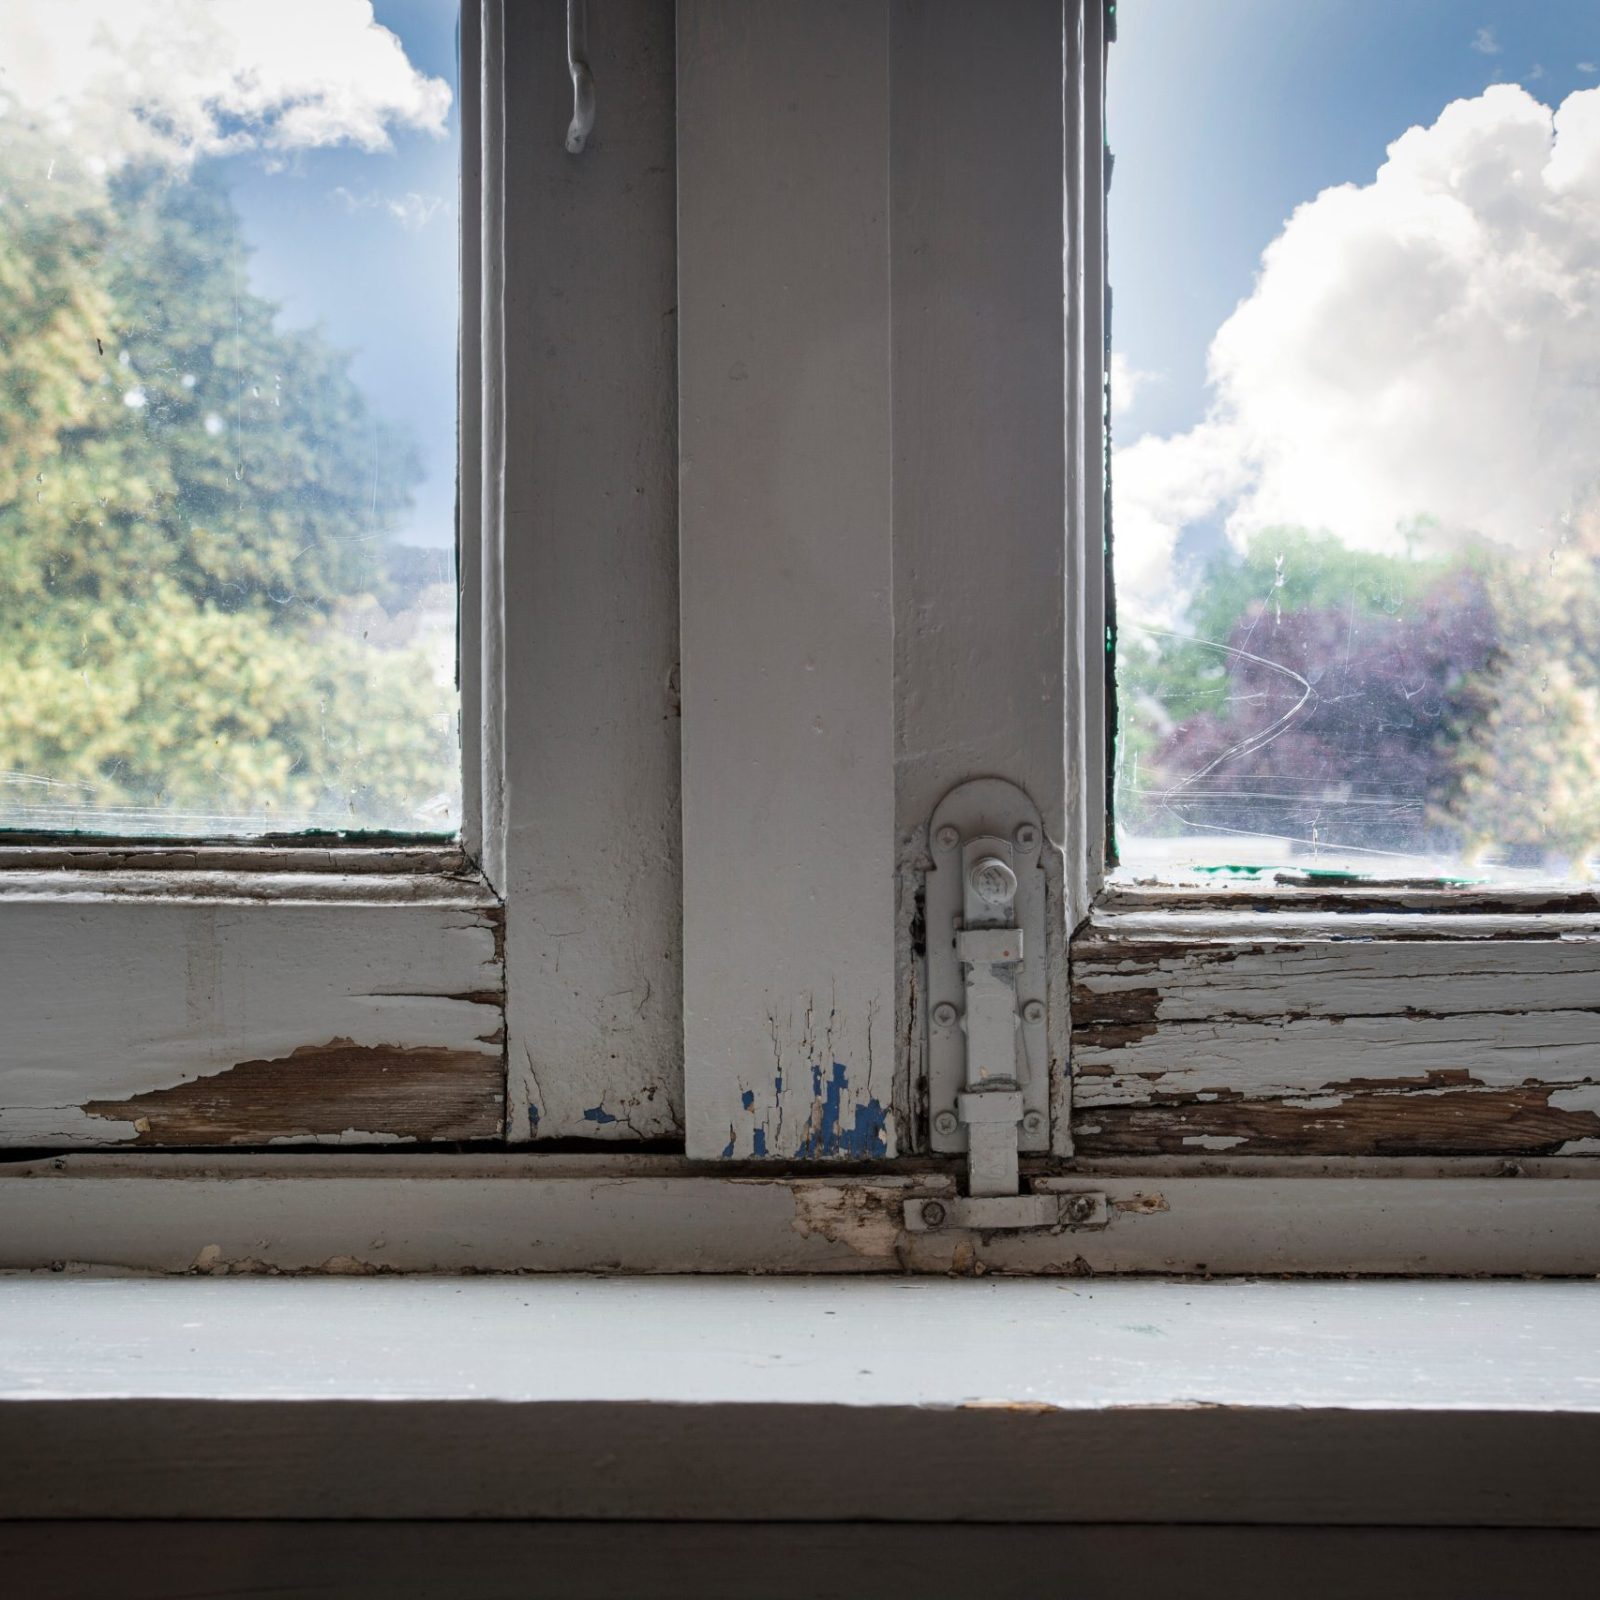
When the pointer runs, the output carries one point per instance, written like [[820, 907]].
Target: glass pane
[[1355, 403], [228, 304]]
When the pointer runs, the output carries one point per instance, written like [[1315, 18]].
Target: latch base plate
[[1060, 1212]]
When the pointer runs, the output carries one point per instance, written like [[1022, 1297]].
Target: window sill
[[1405, 1404]]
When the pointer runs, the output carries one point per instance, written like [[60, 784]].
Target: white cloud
[[1423, 346], [114, 81], [411, 210], [1485, 43], [1126, 382]]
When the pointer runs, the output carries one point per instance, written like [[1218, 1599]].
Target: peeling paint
[[1355, 1032], [828, 1135], [331, 1091], [866, 1217], [598, 1114]]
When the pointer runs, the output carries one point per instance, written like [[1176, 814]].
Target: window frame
[[581, 1017]]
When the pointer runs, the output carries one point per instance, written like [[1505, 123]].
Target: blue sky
[[1224, 115], [327, 248]]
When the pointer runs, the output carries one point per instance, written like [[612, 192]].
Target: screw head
[[1033, 1011], [993, 881], [947, 838], [945, 1014], [933, 1213], [1033, 1122], [1026, 836], [945, 1122], [1079, 1207]]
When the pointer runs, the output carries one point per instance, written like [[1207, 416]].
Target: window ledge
[[811, 1399]]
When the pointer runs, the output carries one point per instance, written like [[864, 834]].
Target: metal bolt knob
[[1033, 1011], [947, 838], [933, 1214], [992, 881], [945, 1123], [945, 1014], [1033, 1122], [1079, 1207], [1026, 836]]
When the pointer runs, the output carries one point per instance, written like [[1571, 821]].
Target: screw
[[945, 1122], [1033, 1011], [945, 1014], [1026, 836], [947, 837], [1079, 1207], [933, 1214], [1033, 1122]]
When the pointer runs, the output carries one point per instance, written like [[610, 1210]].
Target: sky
[[1355, 261], [335, 124], [366, 243]]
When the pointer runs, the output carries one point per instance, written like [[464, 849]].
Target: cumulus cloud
[[1485, 43], [1419, 351], [108, 82], [1126, 382]]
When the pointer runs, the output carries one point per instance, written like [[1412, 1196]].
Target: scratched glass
[[228, 307], [1354, 396]]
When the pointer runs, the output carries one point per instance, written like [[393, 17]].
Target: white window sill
[[802, 1399]]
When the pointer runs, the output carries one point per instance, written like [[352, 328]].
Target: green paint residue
[[1231, 870]]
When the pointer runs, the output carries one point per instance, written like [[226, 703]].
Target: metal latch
[[988, 1052], [1060, 1211]]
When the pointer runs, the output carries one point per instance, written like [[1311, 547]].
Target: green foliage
[[1469, 682], [1530, 766], [193, 510]]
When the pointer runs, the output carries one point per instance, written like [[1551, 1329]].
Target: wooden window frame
[[871, 529]]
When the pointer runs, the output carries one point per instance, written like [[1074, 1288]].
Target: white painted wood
[[478, 367], [1088, 725], [633, 1214], [784, 1560], [787, 619], [980, 344], [590, 582], [1380, 1403], [251, 1008]]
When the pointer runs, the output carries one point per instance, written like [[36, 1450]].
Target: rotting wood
[[1358, 1032], [338, 1090]]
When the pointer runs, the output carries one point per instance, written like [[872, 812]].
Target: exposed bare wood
[[1345, 1033], [359, 1011], [324, 1091]]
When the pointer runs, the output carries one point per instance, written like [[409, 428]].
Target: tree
[[194, 506], [1321, 697], [1529, 767]]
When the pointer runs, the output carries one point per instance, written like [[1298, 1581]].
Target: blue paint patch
[[866, 1135], [777, 1084], [747, 1099], [598, 1114], [760, 1138], [533, 1122], [727, 1151]]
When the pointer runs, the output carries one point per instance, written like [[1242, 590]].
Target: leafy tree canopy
[[194, 506]]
